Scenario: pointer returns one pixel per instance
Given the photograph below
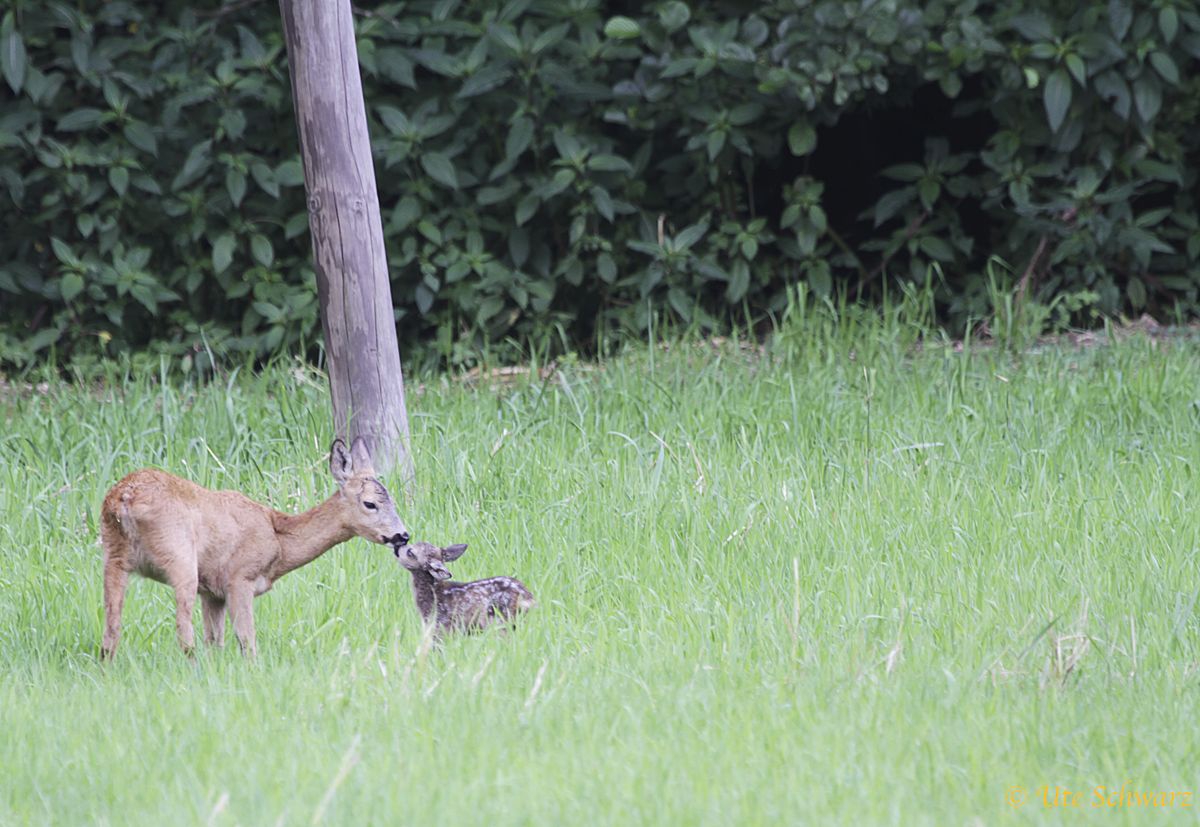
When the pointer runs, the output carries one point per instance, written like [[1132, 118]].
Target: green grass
[[842, 582]]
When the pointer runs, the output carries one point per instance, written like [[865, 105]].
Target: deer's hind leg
[[184, 583], [214, 619], [116, 579], [241, 612]]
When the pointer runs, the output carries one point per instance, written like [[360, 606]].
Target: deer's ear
[[341, 465], [452, 553], [361, 454]]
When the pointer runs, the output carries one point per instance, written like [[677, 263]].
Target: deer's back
[[157, 513], [478, 603]]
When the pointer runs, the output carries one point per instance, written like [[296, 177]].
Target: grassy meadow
[[839, 581]]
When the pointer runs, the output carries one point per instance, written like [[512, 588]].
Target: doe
[[227, 548], [454, 606]]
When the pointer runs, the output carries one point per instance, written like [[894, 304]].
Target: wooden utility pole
[[362, 353]]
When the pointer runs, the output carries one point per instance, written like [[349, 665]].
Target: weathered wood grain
[[362, 353]]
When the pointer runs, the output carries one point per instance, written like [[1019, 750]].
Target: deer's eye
[[369, 506], [411, 555]]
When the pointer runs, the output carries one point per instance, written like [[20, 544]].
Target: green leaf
[[820, 279], [118, 177], [235, 185], [621, 28], [715, 143], [490, 307], [935, 248], [688, 236], [296, 225], [1165, 67], [739, 282], [1057, 98], [486, 196], [674, 15], [406, 212], [264, 176], [508, 38], [526, 208], [905, 172], [606, 268], [745, 113], [80, 119], [423, 296], [440, 168], [518, 246], [268, 311], [233, 122], [396, 121], [261, 249], [817, 218], [141, 136], [609, 163], [194, 166], [1077, 68], [892, 203], [290, 173], [802, 139], [561, 180], [681, 303], [1120, 17], [64, 253], [569, 147], [603, 202], [520, 135], [550, 37], [929, 190], [1112, 87], [1147, 96], [394, 64], [71, 286], [222, 252], [1033, 26], [1168, 22], [13, 60], [485, 80], [430, 231]]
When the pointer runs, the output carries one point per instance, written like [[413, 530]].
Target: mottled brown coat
[[452, 606]]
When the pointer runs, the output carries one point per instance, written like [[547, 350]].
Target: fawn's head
[[430, 558], [368, 508]]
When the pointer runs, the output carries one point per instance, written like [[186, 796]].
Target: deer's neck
[[305, 537], [425, 592]]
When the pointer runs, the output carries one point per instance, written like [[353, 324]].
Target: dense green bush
[[562, 166]]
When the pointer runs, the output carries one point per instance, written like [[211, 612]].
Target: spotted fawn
[[452, 606]]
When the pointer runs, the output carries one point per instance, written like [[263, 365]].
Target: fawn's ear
[[341, 465], [452, 553]]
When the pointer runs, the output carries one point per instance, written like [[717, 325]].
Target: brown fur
[[460, 606], [227, 548]]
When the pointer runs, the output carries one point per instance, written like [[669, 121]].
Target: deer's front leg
[[214, 619], [241, 612]]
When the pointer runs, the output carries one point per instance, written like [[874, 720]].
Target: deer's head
[[430, 558], [368, 508]]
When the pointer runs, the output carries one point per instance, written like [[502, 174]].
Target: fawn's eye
[[369, 506], [411, 555]]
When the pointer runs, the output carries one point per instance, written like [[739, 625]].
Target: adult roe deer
[[227, 548], [460, 606]]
